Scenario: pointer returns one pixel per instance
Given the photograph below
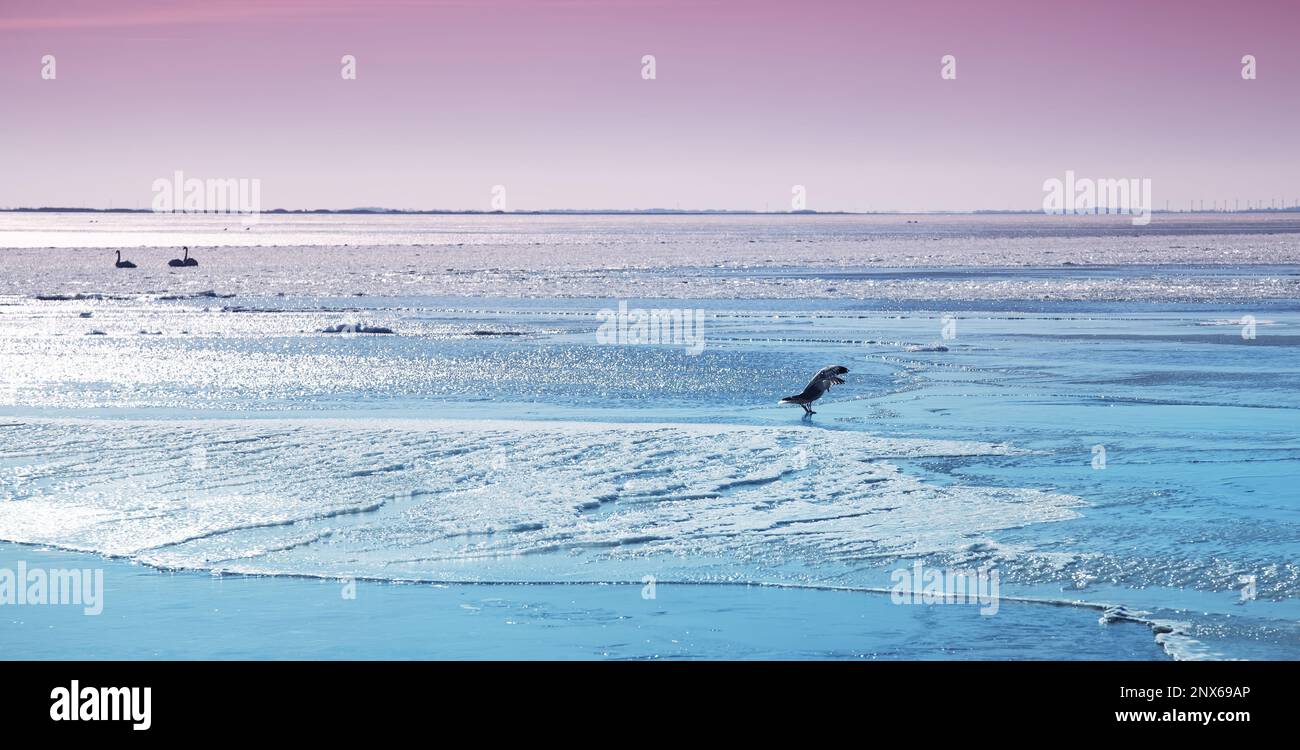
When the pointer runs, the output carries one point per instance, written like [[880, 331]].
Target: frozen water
[[1105, 419]]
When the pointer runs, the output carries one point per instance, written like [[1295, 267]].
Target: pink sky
[[547, 98]]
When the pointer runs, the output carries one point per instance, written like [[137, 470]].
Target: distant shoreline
[[616, 212]]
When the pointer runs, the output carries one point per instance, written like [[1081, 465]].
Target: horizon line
[[639, 211]]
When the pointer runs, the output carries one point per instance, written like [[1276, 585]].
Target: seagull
[[820, 383]]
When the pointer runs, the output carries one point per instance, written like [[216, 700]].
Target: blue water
[[523, 479]]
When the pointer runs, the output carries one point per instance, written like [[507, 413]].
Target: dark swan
[[186, 262]]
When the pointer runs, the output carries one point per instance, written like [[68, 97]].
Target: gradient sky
[[547, 99]]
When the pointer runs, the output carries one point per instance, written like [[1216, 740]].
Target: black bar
[[209, 700]]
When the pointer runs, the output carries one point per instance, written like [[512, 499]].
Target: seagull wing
[[830, 374]]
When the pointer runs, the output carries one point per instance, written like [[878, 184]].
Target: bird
[[123, 263], [820, 383], [181, 263]]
